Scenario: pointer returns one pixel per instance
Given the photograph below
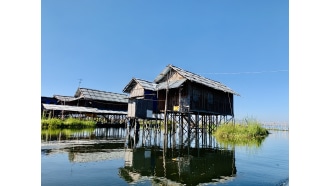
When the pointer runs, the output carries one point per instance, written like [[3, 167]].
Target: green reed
[[241, 132], [66, 123]]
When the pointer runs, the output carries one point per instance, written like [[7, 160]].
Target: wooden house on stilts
[[104, 107], [181, 98]]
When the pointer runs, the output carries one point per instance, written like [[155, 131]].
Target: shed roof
[[92, 94], [80, 109], [145, 84], [194, 78], [66, 98], [171, 84]]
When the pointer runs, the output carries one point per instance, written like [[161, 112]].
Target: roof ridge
[[143, 80], [178, 69], [102, 91], [199, 75]]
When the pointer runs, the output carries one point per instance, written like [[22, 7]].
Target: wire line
[[235, 73]]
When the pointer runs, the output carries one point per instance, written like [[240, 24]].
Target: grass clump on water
[[66, 123], [250, 134], [249, 130]]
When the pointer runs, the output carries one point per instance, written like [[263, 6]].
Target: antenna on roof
[[79, 82]]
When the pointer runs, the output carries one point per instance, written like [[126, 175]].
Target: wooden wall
[[141, 102], [205, 99], [140, 108], [137, 91], [199, 98], [116, 106]]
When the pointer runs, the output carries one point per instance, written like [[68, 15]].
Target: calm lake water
[[113, 156]]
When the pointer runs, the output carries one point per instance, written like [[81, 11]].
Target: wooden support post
[[188, 124]]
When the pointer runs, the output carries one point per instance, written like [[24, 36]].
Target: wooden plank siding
[[140, 108], [207, 100], [137, 91], [199, 98], [105, 105], [141, 102]]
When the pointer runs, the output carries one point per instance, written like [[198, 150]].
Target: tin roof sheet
[[147, 85], [80, 109], [66, 98], [171, 84], [86, 93], [195, 78]]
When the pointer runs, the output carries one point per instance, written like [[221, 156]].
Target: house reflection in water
[[150, 156], [189, 166], [96, 152]]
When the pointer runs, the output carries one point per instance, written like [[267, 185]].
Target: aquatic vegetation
[[250, 133], [51, 123], [68, 132], [66, 123]]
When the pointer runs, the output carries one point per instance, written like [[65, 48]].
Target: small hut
[[142, 101]]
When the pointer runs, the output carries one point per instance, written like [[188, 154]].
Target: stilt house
[[142, 101], [187, 91], [178, 90], [101, 99], [90, 103]]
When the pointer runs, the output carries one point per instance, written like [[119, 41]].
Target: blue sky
[[130, 39], [242, 44]]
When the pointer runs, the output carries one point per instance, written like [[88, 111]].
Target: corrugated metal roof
[[80, 109], [171, 84], [195, 78], [101, 95], [162, 74], [66, 98], [145, 84]]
